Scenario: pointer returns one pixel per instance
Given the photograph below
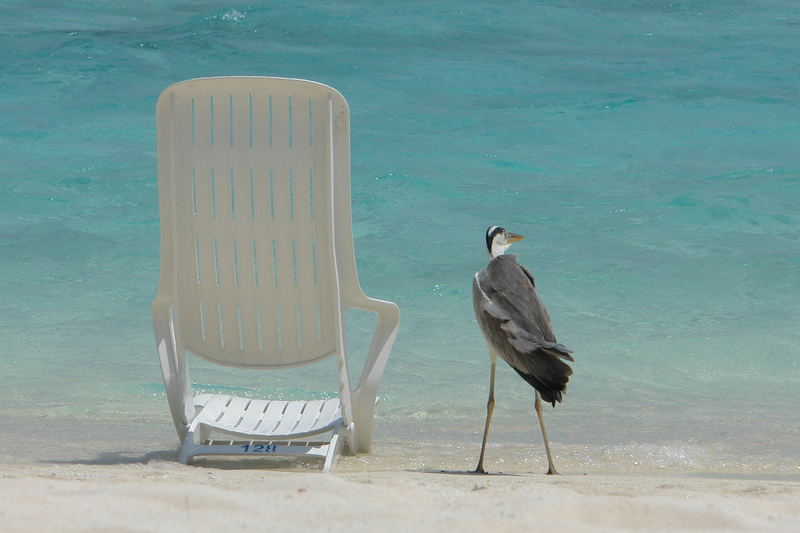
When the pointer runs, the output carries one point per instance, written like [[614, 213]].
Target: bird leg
[[551, 469], [489, 410]]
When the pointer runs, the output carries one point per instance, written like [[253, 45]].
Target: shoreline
[[166, 496], [395, 455]]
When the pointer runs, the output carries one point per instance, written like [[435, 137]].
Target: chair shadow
[[121, 458], [171, 456], [276, 463]]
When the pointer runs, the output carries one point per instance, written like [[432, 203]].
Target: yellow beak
[[513, 237]]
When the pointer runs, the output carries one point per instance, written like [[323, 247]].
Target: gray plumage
[[517, 326]]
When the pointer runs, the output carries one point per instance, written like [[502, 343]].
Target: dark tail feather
[[550, 375], [559, 350]]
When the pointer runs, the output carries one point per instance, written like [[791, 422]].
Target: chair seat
[[266, 419]]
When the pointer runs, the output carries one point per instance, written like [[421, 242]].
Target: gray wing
[[517, 326]]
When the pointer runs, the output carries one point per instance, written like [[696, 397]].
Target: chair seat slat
[[233, 412], [309, 417], [330, 411], [272, 417], [290, 418], [253, 415]]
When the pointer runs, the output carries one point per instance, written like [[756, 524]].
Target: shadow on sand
[[122, 458], [171, 456], [463, 473]]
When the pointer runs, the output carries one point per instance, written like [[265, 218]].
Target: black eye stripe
[[490, 234]]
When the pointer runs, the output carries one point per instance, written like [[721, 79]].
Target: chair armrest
[[363, 397], [388, 315], [174, 369]]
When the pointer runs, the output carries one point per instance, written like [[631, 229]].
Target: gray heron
[[517, 328]]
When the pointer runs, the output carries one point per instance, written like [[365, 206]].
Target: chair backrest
[[254, 192]]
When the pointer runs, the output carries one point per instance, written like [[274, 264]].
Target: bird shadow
[[463, 473]]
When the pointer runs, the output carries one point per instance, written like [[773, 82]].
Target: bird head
[[499, 239]]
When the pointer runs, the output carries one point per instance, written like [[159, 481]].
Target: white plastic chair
[[257, 262]]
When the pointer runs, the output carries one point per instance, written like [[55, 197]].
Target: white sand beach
[[163, 496], [647, 150]]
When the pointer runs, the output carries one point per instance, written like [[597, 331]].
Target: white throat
[[499, 247]]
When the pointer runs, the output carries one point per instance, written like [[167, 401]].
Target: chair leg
[[333, 450], [194, 439], [187, 448], [363, 412]]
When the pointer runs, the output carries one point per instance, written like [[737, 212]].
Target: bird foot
[[552, 472], [479, 470]]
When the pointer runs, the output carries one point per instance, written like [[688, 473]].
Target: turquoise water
[[648, 151]]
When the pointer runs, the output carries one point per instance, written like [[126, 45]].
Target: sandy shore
[[164, 496]]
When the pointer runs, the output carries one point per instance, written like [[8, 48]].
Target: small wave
[[654, 456], [233, 15]]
